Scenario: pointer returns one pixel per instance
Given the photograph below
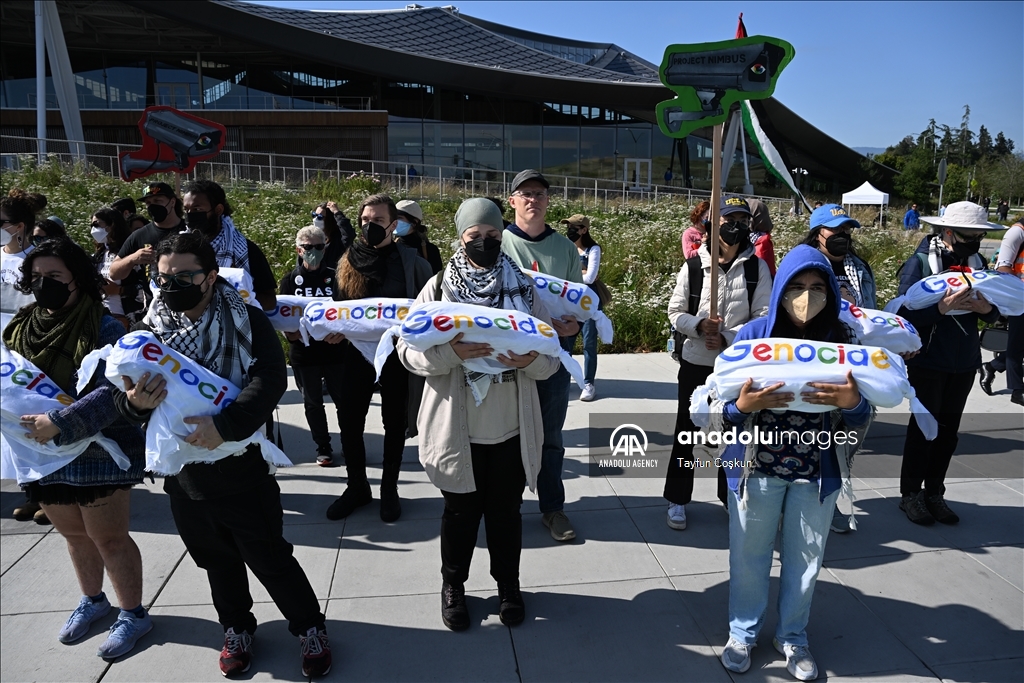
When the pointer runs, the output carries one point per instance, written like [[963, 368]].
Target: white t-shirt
[[10, 274], [114, 304]]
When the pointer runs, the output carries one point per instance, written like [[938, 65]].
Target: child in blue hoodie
[[794, 482]]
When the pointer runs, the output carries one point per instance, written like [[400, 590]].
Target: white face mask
[[5, 238], [804, 305], [99, 235]]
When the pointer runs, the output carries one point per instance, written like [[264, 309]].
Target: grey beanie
[[477, 211]]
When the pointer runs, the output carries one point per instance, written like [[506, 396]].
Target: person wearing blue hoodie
[[788, 481]]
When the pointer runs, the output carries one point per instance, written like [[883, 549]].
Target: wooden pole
[[716, 199]]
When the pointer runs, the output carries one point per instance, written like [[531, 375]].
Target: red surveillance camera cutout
[[171, 141]]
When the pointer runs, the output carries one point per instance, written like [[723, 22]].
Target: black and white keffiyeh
[[230, 246], [853, 278], [935, 249], [501, 286], [220, 341]]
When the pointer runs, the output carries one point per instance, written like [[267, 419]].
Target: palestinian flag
[[772, 157]]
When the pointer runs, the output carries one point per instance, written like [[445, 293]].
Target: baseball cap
[[730, 205], [577, 219], [529, 174], [158, 190], [410, 207], [831, 216]]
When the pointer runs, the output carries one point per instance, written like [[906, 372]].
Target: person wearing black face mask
[[89, 499], [375, 266], [474, 451], [228, 513], [943, 372], [832, 234], [207, 211], [139, 250]]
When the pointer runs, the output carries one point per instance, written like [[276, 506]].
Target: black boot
[[390, 505], [453, 606], [511, 609], [356, 495], [985, 376]]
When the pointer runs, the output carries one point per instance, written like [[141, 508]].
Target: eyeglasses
[[970, 238], [5, 221], [310, 247], [845, 228], [39, 239], [736, 225], [97, 224], [530, 196], [182, 278], [316, 215]]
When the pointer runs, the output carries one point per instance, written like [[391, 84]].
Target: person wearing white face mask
[[18, 212], [374, 266], [123, 298]]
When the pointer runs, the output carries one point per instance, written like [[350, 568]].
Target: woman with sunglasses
[[47, 229], [124, 297], [315, 366], [943, 372], [832, 234]]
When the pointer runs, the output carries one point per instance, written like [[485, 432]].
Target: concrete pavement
[[629, 600]]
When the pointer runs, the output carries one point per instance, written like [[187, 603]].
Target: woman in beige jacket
[[480, 454]]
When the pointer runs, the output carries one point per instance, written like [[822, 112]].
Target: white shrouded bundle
[[880, 328], [1003, 290], [192, 391], [432, 323], [571, 299], [25, 390], [881, 376], [362, 321], [288, 312]]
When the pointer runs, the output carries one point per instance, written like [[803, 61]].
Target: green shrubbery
[[641, 242]]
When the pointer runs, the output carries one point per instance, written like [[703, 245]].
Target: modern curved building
[[425, 86]]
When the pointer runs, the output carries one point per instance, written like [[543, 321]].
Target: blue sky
[[866, 73]]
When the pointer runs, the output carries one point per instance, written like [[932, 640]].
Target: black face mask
[[484, 251], [158, 212], [573, 234], [963, 250], [734, 233], [180, 299], [374, 234], [202, 221], [838, 244], [50, 294]]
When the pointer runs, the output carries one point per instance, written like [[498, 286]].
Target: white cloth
[[10, 274], [880, 328], [22, 458], [362, 321], [565, 299], [881, 376], [1002, 290], [192, 391], [113, 301], [288, 312], [593, 264], [438, 322]]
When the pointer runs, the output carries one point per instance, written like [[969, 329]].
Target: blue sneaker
[[81, 619], [123, 634]]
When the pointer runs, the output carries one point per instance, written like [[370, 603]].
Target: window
[[561, 150], [522, 147]]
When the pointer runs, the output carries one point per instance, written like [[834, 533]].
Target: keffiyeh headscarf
[[230, 246], [220, 341]]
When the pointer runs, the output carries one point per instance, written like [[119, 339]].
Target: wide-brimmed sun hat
[[963, 216]]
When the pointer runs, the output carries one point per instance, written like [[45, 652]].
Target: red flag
[[741, 30]]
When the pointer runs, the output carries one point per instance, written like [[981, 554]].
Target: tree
[[984, 142], [963, 137], [916, 177], [1003, 146]]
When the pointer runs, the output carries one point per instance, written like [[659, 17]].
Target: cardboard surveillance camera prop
[[708, 78], [171, 141]]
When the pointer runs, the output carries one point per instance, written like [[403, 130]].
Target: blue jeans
[[554, 403], [589, 351], [805, 526]]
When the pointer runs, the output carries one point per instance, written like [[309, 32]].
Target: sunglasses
[[182, 279], [311, 247]]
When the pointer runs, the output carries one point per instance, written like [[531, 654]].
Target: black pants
[[679, 479], [223, 535], [500, 478], [358, 380], [1011, 360], [311, 379], [944, 394]]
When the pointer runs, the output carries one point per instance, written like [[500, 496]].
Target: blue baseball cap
[[831, 216], [730, 205]]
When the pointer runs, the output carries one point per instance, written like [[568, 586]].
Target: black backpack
[[751, 273]]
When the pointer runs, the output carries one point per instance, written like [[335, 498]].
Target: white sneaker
[[588, 392], [736, 656], [677, 516], [799, 661]]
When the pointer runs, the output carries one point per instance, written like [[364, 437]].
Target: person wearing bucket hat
[[832, 234], [412, 233], [943, 372]]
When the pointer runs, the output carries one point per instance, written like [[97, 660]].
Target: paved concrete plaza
[[629, 600]]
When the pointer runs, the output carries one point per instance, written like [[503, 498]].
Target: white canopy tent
[[867, 194]]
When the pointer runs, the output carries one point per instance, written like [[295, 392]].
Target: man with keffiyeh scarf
[[229, 512]]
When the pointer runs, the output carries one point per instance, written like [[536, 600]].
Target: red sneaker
[[316, 652], [236, 656]]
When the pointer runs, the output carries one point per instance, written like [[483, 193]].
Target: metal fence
[[420, 180]]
